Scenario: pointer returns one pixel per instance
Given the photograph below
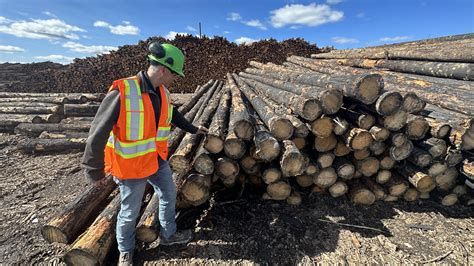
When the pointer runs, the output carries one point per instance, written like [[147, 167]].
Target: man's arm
[[180, 121], [104, 120]]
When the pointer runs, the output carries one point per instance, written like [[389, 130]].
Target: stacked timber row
[[56, 122], [285, 132]]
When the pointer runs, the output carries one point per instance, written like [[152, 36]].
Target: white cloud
[[394, 39], [10, 49], [226, 32], [4, 20], [360, 15], [56, 58], [191, 28], [344, 40], [125, 29], [100, 23], [234, 16], [245, 40], [333, 2], [255, 23], [47, 13], [172, 34], [50, 29], [310, 15], [91, 49]]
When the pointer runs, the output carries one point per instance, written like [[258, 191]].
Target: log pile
[[206, 58], [56, 122], [289, 130]]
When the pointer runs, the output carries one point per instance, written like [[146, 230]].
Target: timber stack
[[305, 126], [56, 122]]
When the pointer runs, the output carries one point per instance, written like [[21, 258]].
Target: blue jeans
[[131, 194]]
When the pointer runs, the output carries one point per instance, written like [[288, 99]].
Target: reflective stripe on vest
[[134, 110], [163, 133], [131, 150]]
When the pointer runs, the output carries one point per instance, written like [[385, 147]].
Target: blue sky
[[60, 30]]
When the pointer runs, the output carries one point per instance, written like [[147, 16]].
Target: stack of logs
[[304, 126], [53, 121]]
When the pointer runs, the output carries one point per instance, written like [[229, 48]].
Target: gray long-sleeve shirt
[[107, 116]]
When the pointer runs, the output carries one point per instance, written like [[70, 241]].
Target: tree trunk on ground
[[34, 130], [80, 109], [51, 145], [147, 227], [94, 244], [30, 110], [67, 225]]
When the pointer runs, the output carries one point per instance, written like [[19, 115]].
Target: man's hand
[[202, 130]]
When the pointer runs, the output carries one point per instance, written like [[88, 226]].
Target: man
[[133, 125]]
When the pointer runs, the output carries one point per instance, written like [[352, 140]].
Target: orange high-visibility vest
[[135, 143]]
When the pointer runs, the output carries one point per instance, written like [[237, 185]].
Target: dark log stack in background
[[366, 135], [206, 59]]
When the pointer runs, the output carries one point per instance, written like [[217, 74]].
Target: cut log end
[[304, 180], [325, 178], [363, 196], [281, 128], [204, 164], [146, 234], [449, 200], [331, 101], [214, 144], [226, 167], [417, 128], [369, 88], [234, 148], [269, 150], [388, 103], [360, 139], [412, 103], [395, 121], [293, 164], [311, 110], [279, 190], [338, 189], [294, 199], [179, 163], [322, 127], [411, 195], [271, 175], [53, 234], [80, 257], [244, 129]]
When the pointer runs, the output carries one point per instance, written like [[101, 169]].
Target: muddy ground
[[33, 188]]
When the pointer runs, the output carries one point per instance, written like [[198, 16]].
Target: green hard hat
[[167, 55]]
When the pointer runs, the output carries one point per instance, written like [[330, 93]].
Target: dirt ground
[[33, 188]]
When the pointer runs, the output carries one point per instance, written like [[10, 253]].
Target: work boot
[[180, 237], [125, 259]]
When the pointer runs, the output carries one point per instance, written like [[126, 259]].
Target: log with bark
[[73, 218], [80, 109], [94, 244], [51, 145], [180, 160], [184, 108], [292, 161], [421, 181], [214, 141], [307, 108], [280, 127], [34, 130]]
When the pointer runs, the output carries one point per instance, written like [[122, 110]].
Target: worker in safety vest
[[129, 139]]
